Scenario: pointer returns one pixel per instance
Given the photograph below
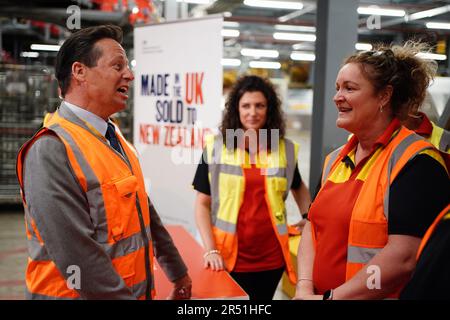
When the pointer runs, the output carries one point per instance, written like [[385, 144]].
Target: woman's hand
[[213, 260], [304, 290]]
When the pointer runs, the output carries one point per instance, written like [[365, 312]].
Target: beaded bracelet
[[211, 252]]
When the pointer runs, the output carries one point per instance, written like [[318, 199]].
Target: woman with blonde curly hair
[[381, 190]]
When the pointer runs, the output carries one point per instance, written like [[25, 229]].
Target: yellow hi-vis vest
[[227, 182], [440, 138]]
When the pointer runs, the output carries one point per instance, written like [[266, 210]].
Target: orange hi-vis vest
[[444, 215], [227, 192], [368, 231], [115, 190]]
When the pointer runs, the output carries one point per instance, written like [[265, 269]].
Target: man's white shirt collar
[[98, 123]]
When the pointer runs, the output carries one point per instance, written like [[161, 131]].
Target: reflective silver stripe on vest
[[361, 254], [91, 179], [128, 245], [36, 251], [28, 222], [94, 194], [282, 229], [230, 169], [36, 296], [332, 156], [225, 226], [138, 289], [395, 157], [276, 172], [214, 171], [444, 142], [290, 165]]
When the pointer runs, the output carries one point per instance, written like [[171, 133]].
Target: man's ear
[[79, 71]]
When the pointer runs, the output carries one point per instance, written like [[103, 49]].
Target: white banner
[[177, 98]]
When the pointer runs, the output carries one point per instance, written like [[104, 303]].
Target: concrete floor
[[13, 247], [13, 254]]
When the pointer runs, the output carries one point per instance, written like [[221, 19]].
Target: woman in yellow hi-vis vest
[[381, 190], [242, 181], [439, 137]]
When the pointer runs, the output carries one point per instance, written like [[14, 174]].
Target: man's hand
[[182, 289]]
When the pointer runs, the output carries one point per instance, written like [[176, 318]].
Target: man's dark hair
[[80, 46]]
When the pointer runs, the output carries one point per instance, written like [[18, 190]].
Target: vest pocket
[[123, 200], [368, 234]]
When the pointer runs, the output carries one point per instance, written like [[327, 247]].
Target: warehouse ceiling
[[28, 21]]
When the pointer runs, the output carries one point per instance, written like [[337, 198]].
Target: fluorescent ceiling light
[[195, 1], [438, 25], [260, 53], [29, 54], [230, 33], [375, 10], [294, 36], [230, 24], [265, 64], [303, 46], [429, 13], [303, 56], [363, 46], [291, 5], [231, 62], [431, 56], [288, 27], [44, 47]]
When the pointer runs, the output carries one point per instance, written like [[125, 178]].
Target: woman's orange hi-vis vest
[[368, 232], [112, 186]]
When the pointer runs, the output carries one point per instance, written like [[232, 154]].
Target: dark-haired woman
[[381, 191], [242, 181]]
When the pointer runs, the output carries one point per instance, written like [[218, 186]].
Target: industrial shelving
[[27, 93]]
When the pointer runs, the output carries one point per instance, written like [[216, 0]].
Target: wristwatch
[[328, 295]]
